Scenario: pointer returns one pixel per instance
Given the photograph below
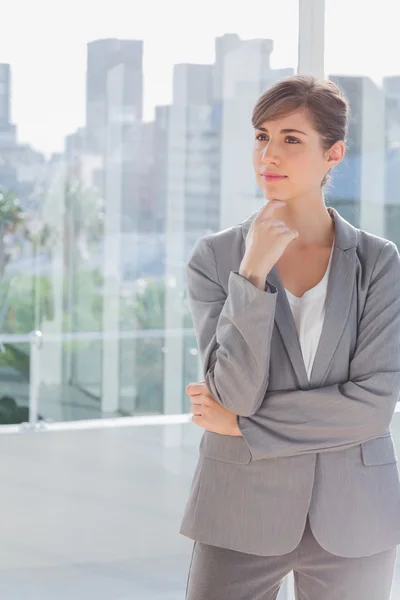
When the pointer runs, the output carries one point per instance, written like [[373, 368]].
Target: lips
[[273, 177]]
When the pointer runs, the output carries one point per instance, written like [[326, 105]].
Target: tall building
[[107, 156], [21, 167], [223, 46], [194, 151], [209, 182], [391, 90], [344, 191], [102, 57], [5, 94], [7, 129], [191, 194], [245, 75], [358, 183], [160, 170]]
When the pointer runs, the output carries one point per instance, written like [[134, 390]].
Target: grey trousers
[[221, 574]]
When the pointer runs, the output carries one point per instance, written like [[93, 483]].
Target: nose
[[270, 153]]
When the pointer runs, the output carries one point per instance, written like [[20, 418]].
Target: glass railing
[[75, 377], [16, 382]]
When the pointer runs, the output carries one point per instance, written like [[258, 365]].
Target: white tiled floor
[[95, 514]]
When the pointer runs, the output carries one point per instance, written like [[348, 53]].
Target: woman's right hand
[[266, 241]]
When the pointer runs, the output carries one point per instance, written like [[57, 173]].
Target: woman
[[297, 319]]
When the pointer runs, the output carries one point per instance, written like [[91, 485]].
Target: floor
[[94, 514]]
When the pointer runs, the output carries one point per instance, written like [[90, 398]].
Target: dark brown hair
[[325, 102]]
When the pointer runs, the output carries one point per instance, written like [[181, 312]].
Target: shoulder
[[379, 260], [372, 248], [216, 255], [221, 246]]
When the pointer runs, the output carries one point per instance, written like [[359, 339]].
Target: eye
[[292, 140], [261, 137]]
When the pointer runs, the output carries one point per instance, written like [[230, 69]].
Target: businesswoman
[[297, 320]]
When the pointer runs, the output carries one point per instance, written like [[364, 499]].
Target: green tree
[[11, 217], [147, 311], [84, 216]]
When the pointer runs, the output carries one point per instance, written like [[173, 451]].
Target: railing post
[[34, 376]]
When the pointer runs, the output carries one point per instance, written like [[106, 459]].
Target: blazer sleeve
[[339, 416], [233, 331]]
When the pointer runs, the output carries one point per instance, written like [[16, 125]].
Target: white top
[[309, 312]]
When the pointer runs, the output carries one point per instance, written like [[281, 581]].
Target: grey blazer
[[321, 447]]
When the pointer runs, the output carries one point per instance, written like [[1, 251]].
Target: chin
[[275, 192], [272, 192], [275, 195]]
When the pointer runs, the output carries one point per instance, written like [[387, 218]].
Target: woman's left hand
[[208, 413]]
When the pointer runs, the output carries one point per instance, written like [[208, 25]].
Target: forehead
[[296, 120]]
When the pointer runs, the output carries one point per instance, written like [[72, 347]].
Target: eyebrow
[[283, 130]]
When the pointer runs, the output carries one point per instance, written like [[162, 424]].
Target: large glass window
[[125, 135], [361, 55]]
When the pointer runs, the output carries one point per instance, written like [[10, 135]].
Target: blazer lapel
[[287, 328], [338, 301]]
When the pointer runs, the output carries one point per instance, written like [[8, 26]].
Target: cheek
[[256, 167], [305, 166]]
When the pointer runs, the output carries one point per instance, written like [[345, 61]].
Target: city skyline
[[49, 88]]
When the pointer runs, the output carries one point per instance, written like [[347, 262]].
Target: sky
[[45, 43]]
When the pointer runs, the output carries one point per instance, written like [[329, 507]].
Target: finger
[[195, 385], [276, 222], [198, 421], [281, 229], [195, 388], [198, 399], [268, 210], [195, 410]]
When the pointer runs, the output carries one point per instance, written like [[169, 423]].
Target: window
[[130, 142]]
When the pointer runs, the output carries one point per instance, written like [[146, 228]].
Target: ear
[[335, 154]]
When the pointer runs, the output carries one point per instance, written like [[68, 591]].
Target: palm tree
[[11, 215]]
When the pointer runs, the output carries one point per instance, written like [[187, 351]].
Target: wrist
[[253, 275], [236, 431], [254, 278]]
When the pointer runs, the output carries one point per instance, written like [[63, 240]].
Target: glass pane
[[365, 185], [125, 143], [15, 370]]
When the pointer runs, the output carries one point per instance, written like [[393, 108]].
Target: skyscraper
[[7, 130], [358, 189], [391, 90], [246, 73], [102, 57]]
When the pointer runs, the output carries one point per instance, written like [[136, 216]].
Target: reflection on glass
[[94, 244], [365, 184], [14, 378]]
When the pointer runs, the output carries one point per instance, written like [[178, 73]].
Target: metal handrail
[[36, 340], [88, 336]]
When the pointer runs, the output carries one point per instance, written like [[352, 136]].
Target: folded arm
[[233, 331], [342, 415]]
